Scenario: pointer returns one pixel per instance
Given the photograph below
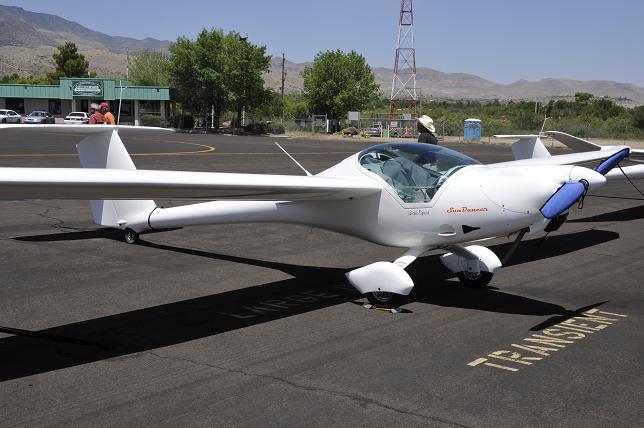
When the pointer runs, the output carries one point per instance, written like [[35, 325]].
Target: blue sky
[[500, 40]]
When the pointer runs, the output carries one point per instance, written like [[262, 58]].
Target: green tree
[[583, 98], [149, 68], [69, 63], [295, 107], [339, 82], [605, 108], [244, 65], [218, 70], [196, 71], [271, 107]]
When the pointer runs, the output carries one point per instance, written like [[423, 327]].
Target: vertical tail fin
[[106, 150]]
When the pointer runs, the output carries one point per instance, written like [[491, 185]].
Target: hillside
[[20, 27], [28, 39], [441, 85]]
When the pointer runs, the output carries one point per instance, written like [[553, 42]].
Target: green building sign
[[87, 88]]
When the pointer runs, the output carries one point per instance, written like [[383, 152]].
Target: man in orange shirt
[[96, 118], [105, 111]]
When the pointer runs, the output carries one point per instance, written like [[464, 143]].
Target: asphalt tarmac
[[255, 325]]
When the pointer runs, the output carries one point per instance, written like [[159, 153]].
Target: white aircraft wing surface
[[575, 143], [528, 150], [580, 145], [81, 129], [95, 183], [567, 159], [110, 174]]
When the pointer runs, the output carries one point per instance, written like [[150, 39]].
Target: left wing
[[108, 173], [95, 183]]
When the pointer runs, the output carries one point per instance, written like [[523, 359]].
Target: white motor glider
[[416, 196]]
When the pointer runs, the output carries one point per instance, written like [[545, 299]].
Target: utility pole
[[127, 66], [403, 85], [283, 80]]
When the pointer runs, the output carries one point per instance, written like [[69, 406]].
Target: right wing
[[580, 145], [574, 143], [529, 150]]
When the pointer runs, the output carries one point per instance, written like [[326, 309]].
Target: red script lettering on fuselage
[[466, 210]]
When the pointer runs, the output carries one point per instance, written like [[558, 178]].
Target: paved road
[[254, 325]]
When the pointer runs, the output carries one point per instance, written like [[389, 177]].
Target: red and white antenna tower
[[404, 93]]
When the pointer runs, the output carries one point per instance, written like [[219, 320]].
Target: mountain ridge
[[28, 40], [436, 84], [50, 26]]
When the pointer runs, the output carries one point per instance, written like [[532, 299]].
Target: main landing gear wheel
[[130, 236], [385, 299], [475, 279]]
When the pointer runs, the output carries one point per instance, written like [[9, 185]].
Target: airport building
[[76, 94]]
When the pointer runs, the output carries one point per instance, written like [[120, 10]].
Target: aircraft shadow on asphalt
[[625, 214], [28, 353]]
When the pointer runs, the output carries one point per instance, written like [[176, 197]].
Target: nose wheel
[[385, 299], [130, 236], [475, 279]]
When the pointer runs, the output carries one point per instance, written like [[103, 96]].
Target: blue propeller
[[570, 193], [565, 197], [610, 163]]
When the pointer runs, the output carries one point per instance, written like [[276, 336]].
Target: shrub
[[257, 128], [183, 122], [154, 120], [277, 128]]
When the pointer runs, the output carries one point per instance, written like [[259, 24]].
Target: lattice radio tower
[[404, 93]]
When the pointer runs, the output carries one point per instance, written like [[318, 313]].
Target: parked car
[[9, 116], [39, 117], [77, 117], [374, 131]]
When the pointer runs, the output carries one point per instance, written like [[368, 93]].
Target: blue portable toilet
[[472, 130]]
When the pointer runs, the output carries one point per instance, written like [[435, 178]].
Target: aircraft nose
[[594, 178]]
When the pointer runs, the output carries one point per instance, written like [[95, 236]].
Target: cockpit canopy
[[414, 170]]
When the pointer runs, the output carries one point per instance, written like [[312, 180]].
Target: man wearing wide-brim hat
[[426, 130]]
